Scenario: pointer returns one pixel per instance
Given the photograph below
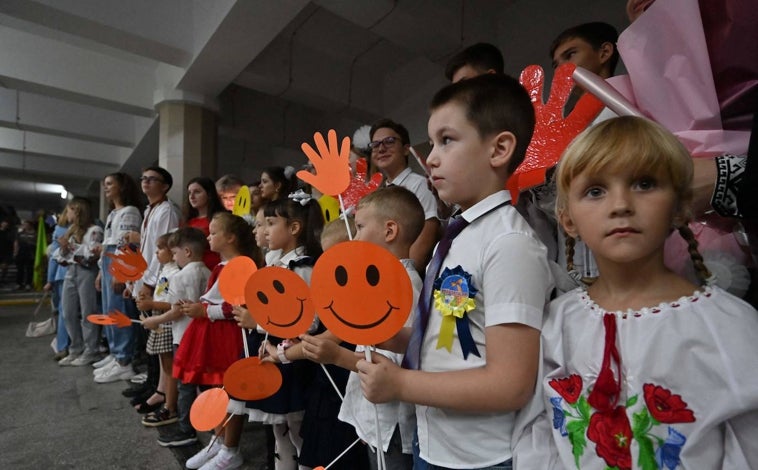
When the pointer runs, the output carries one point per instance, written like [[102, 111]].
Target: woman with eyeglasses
[[200, 205], [390, 146], [123, 196]]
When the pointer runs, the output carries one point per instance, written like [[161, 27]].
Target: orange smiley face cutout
[[280, 301], [362, 292]]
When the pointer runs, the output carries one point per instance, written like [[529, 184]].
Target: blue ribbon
[[465, 338]]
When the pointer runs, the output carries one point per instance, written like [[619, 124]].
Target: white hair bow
[[300, 196]]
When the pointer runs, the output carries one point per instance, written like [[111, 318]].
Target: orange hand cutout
[[129, 265], [332, 165], [120, 319], [552, 132], [359, 187]]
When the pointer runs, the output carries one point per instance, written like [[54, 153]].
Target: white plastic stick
[[379, 447]]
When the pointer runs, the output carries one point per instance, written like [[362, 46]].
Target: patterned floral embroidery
[[611, 430]]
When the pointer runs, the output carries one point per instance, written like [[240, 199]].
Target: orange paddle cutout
[[251, 379], [209, 409], [100, 319], [280, 301], [362, 292], [234, 276]]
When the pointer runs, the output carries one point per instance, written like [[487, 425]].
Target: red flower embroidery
[[612, 434], [666, 407], [569, 388]]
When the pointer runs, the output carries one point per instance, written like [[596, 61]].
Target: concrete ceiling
[[80, 79]]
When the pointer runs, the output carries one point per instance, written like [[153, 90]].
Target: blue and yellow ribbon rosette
[[454, 298]]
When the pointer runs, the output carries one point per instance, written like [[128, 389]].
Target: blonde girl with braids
[[641, 369], [79, 250]]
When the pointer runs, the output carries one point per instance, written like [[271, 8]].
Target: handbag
[[36, 329]]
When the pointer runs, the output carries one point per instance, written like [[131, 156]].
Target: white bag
[[36, 329]]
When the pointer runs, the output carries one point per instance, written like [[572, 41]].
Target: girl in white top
[[642, 369], [123, 194], [79, 250]]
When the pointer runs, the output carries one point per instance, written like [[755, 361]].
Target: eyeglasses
[[386, 142], [150, 179]]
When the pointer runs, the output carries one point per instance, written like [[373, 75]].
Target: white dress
[[688, 395]]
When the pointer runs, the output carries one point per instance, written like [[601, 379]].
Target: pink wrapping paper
[[670, 78]]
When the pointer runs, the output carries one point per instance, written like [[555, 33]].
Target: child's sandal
[[145, 407]]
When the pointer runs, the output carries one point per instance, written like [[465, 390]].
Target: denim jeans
[[185, 397], [120, 340], [79, 300], [421, 464], [394, 458], [61, 337]]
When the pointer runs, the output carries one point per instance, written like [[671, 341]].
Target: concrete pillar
[[187, 144]]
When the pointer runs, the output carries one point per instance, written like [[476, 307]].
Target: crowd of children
[[505, 360]]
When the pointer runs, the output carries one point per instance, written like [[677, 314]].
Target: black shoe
[[136, 390], [177, 439]]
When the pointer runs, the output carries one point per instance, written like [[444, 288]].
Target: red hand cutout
[[332, 165], [359, 187], [552, 132]]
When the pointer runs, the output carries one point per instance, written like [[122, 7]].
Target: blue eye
[[645, 184]]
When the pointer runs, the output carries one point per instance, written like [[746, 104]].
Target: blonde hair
[[84, 220], [639, 146], [398, 204], [335, 232]]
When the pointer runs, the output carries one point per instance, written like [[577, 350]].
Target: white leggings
[[288, 442]]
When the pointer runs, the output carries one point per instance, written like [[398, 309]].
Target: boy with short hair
[[227, 188], [589, 45], [475, 60], [473, 353], [392, 218], [188, 247]]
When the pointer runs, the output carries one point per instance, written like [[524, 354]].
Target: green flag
[[40, 260]]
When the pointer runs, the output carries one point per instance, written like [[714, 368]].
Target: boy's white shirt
[[508, 262], [188, 284], [418, 185], [359, 412]]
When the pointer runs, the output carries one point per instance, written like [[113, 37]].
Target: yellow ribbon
[[451, 307]]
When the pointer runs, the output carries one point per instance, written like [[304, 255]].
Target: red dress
[[210, 258], [209, 347]]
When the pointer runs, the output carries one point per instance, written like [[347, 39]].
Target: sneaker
[[205, 455], [177, 439], [104, 361], [66, 361], [114, 373], [60, 355], [225, 460], [161, 417], [102, 370], [139, 378], [83, 360]]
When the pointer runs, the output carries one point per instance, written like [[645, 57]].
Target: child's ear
[[504, 145], [295, 227], [605, 52], [391, 231], [568, 223]]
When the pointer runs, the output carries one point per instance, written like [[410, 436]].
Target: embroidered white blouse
[[688, 395]]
